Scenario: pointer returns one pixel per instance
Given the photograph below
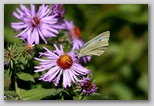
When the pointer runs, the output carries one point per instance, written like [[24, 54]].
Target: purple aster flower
[[74, 33], [60, 64], [58, 10], [34, 24], [6, 65], [5, 97], [88, 87]]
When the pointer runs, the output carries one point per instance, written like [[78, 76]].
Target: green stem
[[16, 85], [16, 88], [15, 81]]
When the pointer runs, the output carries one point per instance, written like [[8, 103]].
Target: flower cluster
[[88, 87], [45, 23], [58, 10]]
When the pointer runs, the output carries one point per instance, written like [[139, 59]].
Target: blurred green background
[[121, 73]]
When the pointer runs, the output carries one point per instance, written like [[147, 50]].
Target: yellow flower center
[[65, 61], [29, 48]]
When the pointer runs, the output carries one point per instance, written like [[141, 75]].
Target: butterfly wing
[[96, 46]]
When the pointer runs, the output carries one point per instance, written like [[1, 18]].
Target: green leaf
[[25, 76], [7, 79], [38, 94], [10, 95]]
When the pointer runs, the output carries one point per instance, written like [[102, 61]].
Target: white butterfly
[[96, 46]]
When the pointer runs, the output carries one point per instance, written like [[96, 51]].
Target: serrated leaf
[[25, 76], [38, 94]]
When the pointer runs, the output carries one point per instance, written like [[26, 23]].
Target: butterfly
[[96, 46]]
